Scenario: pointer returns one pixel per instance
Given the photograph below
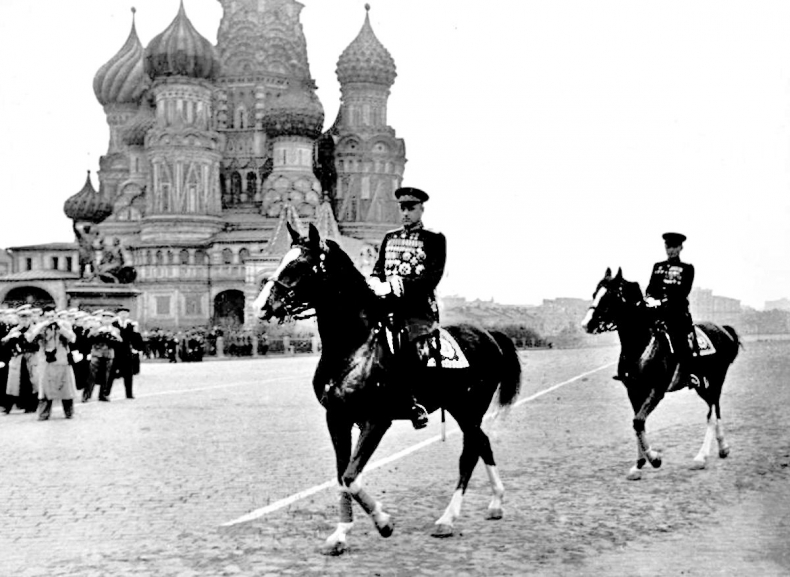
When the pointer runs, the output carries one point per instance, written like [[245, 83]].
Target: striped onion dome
[[87, 205], [181, 51], [366, 59], [121, 80], [297, 112], [133, 132]]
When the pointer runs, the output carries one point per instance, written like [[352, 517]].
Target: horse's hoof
[[441, 531], [724, 452], [386, 530], [654, 458], [494, 514], [698, 465], [634, 475], [334, 549]]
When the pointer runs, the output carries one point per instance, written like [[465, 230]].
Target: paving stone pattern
[[141, 487]]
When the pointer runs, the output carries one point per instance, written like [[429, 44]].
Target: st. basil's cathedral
[[212, 150]]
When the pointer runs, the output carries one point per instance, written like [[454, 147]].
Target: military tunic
[[417, 256], [670, 283]]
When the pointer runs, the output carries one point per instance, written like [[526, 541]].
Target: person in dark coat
[[410, 265], [104, 339], [127, 362], [667, 293]]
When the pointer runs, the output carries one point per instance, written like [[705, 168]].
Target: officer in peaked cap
[[410, 194], [668, 292], [409, 266]]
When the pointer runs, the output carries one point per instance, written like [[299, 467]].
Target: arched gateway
[[229, 309], [31, 295]]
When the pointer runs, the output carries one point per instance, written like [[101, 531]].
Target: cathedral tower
[[369, 159], [119, 86], [184, 152], [263, 55]]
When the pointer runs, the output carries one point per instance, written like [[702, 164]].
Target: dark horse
[[351, 378], [648, 364]]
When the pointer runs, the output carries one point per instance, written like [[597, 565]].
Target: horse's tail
[[736, 339], [510, 385]]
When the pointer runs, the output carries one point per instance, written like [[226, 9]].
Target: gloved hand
[[379, 287], [396, 283], [652, 303]]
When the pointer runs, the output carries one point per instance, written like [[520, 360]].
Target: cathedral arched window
[[200, 257], [160, 257], [244, 254], [183, 256], [227, 256], [241, 118], [235, 186], [252, 184]]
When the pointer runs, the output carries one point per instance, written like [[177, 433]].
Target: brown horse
[[647, 362], [352, 380]]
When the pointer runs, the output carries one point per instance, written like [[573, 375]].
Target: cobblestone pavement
[[142, 487]]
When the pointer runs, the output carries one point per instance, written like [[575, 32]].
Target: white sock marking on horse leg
[[497, 488], [380, 518], [339, 536], [724, 448], [707, 443], [453, 509]]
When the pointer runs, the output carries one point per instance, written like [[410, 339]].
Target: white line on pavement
[[258, 513]]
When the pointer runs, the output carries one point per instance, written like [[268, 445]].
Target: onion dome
[[88, 205], [181, 51], [121, 80], [133, 132], [294, 113], [366, 59]]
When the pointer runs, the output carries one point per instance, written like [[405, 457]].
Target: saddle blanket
[[452, 355], [706, 347]]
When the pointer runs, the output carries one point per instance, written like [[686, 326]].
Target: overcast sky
[[556, 138]]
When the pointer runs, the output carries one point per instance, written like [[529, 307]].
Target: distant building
[[705, 306], [778, 305], [5, 262]]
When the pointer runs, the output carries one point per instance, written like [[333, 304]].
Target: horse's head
[[291, 290], [612, 297]]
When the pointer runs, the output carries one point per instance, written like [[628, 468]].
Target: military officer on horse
[[667, 292], [408, 269]]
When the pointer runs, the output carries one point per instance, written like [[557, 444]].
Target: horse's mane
[[340, 259]]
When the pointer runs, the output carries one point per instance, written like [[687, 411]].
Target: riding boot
[[46, 409], [68, 408]]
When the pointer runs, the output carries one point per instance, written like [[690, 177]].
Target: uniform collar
[[412, 228]]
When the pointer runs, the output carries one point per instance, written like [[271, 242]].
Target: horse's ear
[[619, 273], [314, 236], [608, 274], [294, 235]]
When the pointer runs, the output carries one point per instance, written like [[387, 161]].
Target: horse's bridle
[[601, 326], [295, 309]]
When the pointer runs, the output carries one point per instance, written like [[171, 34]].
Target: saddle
[[437, 349], [701, 346]]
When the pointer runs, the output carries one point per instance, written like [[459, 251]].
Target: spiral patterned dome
[[297, 112], [133, 132], [181, 51], [121, 80], [366, 59], [88, 205]]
